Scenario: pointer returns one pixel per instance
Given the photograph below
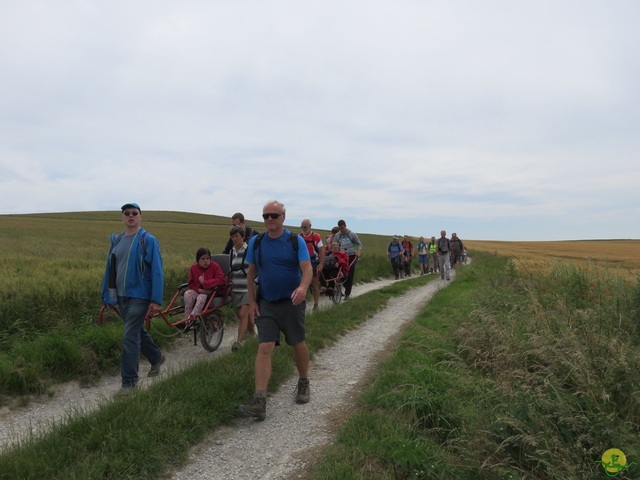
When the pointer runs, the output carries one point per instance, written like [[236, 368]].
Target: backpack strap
[[115, 238], [293, 238]]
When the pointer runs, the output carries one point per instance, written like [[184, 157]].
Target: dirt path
[[249, 449]]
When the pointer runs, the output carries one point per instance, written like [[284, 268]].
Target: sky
[[496, 119]]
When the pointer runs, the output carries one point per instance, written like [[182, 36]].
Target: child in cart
[[336, 266], [204, 276]]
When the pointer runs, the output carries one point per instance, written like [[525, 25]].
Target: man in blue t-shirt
[[285, 275]]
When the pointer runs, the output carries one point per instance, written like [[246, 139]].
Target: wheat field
[[619, 256]]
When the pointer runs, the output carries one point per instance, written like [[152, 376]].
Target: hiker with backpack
[[422, 255], [456, 250], [240, 291], [408, 255], [395, 252], [134, 280], [444, 260], [237, 219], [351, 244], [314, 244], [281, 260]]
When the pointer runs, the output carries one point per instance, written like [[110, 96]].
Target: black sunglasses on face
[[129, 213], [271, 215]]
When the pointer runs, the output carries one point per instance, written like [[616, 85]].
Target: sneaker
[[315, 307], [303, 391], [448, 279], [235, 346], [442, 277], [154, 371], [346, 298], [256, 409]]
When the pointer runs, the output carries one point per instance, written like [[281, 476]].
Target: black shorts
[[282, 317]]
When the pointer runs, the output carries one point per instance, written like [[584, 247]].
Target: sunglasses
[[130, 213], [271, 215]]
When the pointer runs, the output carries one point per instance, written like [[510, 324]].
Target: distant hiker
[[134, 280], [395, 252], [238, 219], [285, 276], [444, 259], [314, 244], [408, 255], [456, 250], [423, 253], [433, 255], [351, 244]]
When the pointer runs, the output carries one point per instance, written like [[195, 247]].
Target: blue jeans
[[136, 339]]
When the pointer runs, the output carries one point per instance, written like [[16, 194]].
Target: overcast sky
[[513, 120]]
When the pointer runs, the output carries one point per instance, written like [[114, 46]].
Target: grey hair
[[283, 210]]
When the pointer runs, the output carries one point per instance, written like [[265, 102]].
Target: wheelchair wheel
[[211, 331], [337, 294]]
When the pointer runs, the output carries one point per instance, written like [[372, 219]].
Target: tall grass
[[504, 375]]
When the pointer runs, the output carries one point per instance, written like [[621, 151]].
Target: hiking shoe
[[257, 408], [235, 346], [125, 392], [154, 371], [303, 391]]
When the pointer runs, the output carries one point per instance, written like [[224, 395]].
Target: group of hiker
[[288, 265], [435, 256]]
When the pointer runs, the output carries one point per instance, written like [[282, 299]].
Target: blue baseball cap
[[130, 205]]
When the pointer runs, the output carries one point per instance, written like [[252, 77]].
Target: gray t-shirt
[[122, 251]]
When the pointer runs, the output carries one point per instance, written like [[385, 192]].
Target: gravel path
[[275, 448]]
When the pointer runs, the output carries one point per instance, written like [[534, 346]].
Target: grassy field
[[619, 256]]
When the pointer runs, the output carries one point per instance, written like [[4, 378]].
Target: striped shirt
[[239, 277]]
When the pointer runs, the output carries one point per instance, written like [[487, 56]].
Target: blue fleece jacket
[[144, 276]]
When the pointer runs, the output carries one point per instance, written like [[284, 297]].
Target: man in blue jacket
[[134, 280]]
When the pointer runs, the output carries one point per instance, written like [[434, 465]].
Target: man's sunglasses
[[271, 215], [130, 213]]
